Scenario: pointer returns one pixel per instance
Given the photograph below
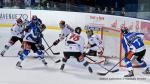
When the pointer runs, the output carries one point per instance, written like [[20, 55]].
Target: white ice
[[34, 72]]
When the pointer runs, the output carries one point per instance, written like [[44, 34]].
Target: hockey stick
[[48, 44], [52, 58], [103, 74], [49, 47], [116, 70]]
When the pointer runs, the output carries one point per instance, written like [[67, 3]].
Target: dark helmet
[[34, 17], [19, 20], [78, 30], [89, 32], [124, 30], [62, 22]]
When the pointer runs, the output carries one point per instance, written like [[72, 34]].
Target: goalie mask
[[89, 33]]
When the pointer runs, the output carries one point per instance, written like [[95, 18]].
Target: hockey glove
[[56, 42]]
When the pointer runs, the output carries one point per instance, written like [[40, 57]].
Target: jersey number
[[74, 37]]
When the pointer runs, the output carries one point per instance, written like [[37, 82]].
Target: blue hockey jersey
[[133, 42]]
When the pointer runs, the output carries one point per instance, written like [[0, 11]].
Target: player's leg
[[26, 51], [39, 52], [8, 45], [92, 53], [141, 62], [80, 58], [64, 59], [127, 60], [21, 48]]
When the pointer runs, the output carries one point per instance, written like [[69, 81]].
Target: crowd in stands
[[91, 6]]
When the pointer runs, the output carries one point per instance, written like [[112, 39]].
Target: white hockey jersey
[[75, 43], [65, 32], [95, 43], [17, 30]]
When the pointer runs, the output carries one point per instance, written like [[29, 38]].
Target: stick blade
[[102, 74], [56, 53], [116, 70]]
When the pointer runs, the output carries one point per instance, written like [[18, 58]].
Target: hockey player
[[35, 21], [94, 44], [65, 31], [32, 41], [17, 34], [133, 46], [75, 48]]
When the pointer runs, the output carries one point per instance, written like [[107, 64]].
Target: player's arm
[[140, 35], [70, 28], [15, 30]]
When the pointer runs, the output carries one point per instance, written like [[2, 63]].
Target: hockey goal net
[[113, 46]]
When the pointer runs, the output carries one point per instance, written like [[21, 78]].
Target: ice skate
[[44, 62], [147, 71], [90, 70], [2, 53], [130, 74], [18, 64], [62, 67]]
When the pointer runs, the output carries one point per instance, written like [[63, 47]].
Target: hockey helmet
[[34, 18], [89, 33], [19, 21], [62, 24], [124, 30], [78, 30]]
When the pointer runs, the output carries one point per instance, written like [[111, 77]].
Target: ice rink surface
[[34, 72]]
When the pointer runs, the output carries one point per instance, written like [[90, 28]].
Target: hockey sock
[[24, 54], [64, 60], [128, 63], [85, 63], [40, 54], [142, 63], [7, 46]]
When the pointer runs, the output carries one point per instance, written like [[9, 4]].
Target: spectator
[[27, 3], [112, 11], [46, 4], [7, 3], [123, 12], [1, 3], [97, 10], [17, 3], [105, 11], [91, 9]]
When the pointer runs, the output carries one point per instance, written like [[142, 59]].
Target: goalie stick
[[103, 74], [116, 70]]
